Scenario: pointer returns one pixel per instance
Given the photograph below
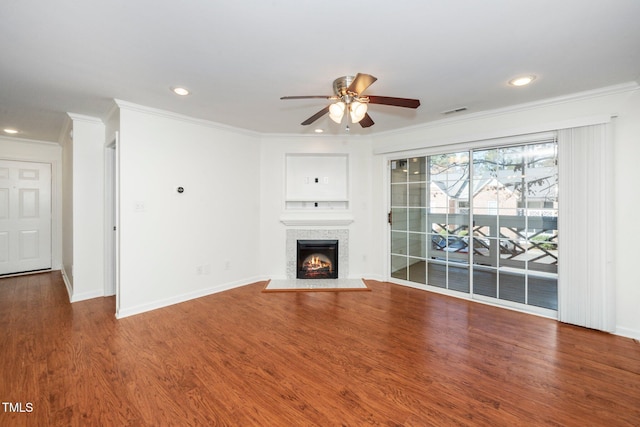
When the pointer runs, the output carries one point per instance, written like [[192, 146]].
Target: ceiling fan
[[348, 96]]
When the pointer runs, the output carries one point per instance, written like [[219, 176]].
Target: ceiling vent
[[455, 110]]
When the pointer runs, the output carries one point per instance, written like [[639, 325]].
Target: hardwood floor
[[395, 356]]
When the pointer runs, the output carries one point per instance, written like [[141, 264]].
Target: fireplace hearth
[[317, 259]]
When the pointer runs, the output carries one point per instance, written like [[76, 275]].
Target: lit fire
[[315, 263]]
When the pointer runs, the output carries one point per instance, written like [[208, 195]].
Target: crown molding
[[27, 140], [111, 111], [590, 94], [83, 118], [125, 105], [548, 102]]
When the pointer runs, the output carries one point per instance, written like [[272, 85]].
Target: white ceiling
[[239, 57]]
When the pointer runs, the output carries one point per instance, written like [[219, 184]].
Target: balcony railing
[[520, 242]]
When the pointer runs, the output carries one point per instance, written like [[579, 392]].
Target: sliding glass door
[[515, 214], [482, 222], [408, 219]]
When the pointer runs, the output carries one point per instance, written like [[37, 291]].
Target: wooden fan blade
[[360, 83], [396, 102], [316, 116], [308, 97], [366, 121]]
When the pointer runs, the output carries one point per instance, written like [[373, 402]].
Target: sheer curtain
[[586, 290]]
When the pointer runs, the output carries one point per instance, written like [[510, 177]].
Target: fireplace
[[317, 259]]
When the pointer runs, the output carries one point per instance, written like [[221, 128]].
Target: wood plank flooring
[[395, 356]]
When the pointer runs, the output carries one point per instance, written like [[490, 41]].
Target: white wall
[[42, 152], [67, 207], [626, 152], [577, 110], [175, 247], [87, 152], [272, 199]]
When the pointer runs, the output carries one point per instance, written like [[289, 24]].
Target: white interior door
[[25, 216]]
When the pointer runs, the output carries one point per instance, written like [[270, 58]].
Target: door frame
[[112, 214]]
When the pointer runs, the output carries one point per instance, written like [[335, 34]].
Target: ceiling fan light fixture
[[357, 110], [336, 111]]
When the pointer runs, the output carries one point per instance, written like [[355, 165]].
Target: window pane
[[457, 225], [398, 219], [437, 246], [437, 274], [398, 195], [512, 287], [437, 223], [417, 169], [399, 267], [485, 199], [457, 249], [417, 271], [543, 292], [398, 243], [486, 252], [485, 282], [417, 194], [417, 219], [399, 171], [458, 278], [417, 245]]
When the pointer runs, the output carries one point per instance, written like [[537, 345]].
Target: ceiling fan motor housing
[[341, 84]]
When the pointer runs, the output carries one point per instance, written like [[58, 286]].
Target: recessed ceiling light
[[522, 81], [11, 131], [319, 131], [180, 91]]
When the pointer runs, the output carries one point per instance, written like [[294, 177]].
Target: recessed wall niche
[[317, 181]]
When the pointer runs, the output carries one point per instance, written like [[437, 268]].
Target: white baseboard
[[67, 283], [87, 295], [374, 277], [142, 308], [628, 332], [73, 297]]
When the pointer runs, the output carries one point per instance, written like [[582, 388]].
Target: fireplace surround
[[295, 234]]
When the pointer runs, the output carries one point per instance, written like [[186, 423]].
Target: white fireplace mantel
[[316, 218]]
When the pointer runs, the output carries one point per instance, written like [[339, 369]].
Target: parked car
[[450, 243], [459, 244]]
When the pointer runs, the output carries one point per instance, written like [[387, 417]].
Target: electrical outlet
[[227, 265], [199, 270]]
